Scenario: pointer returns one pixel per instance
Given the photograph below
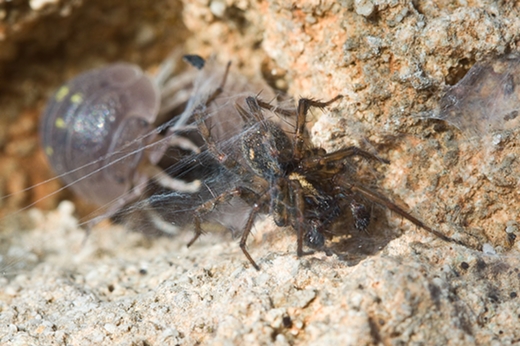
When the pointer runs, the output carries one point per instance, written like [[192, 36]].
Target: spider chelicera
[[300, 185]]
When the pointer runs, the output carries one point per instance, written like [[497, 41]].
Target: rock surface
[[393, 61]]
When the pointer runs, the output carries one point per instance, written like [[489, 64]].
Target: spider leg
[[320, 162], [198, 110], [210, 206], [301, 113], [224, 159], [298, 201], [284, 194], [220, 88], [381, 200], [253, 115], [274, 109], [303, 108], [241, 192], [206, 208], [249, 225]]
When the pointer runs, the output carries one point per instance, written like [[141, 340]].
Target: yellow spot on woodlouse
[[76, 98], [60, 123], [49, 151], [61, 93]]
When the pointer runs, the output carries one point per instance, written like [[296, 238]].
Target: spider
[[300, 185]]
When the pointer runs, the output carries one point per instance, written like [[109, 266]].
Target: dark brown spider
[[300, 185]]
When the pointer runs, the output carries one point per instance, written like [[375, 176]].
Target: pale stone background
[[392, 60]]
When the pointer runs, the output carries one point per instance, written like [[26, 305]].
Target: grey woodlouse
[[101, 137]]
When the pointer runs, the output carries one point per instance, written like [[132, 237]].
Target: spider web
[[487, 99], [484, 106]]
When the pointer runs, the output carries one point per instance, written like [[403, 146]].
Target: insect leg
[[166, 181], [174, 140]]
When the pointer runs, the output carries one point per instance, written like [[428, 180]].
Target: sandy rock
[[393, 61]]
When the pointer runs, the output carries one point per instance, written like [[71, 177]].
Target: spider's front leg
[[205, 131], [300, 137], [240, 192], [301, 117], [224, 159], [208, 207]]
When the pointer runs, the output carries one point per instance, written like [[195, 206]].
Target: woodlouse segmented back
[[100, 134], [89, 121]]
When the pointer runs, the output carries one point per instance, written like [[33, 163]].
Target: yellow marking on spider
[[307, 187], [49, 151]]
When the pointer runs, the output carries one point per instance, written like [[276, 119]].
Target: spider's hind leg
[[385, 202]]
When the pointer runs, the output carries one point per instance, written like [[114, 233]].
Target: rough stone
[[393, 65]]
